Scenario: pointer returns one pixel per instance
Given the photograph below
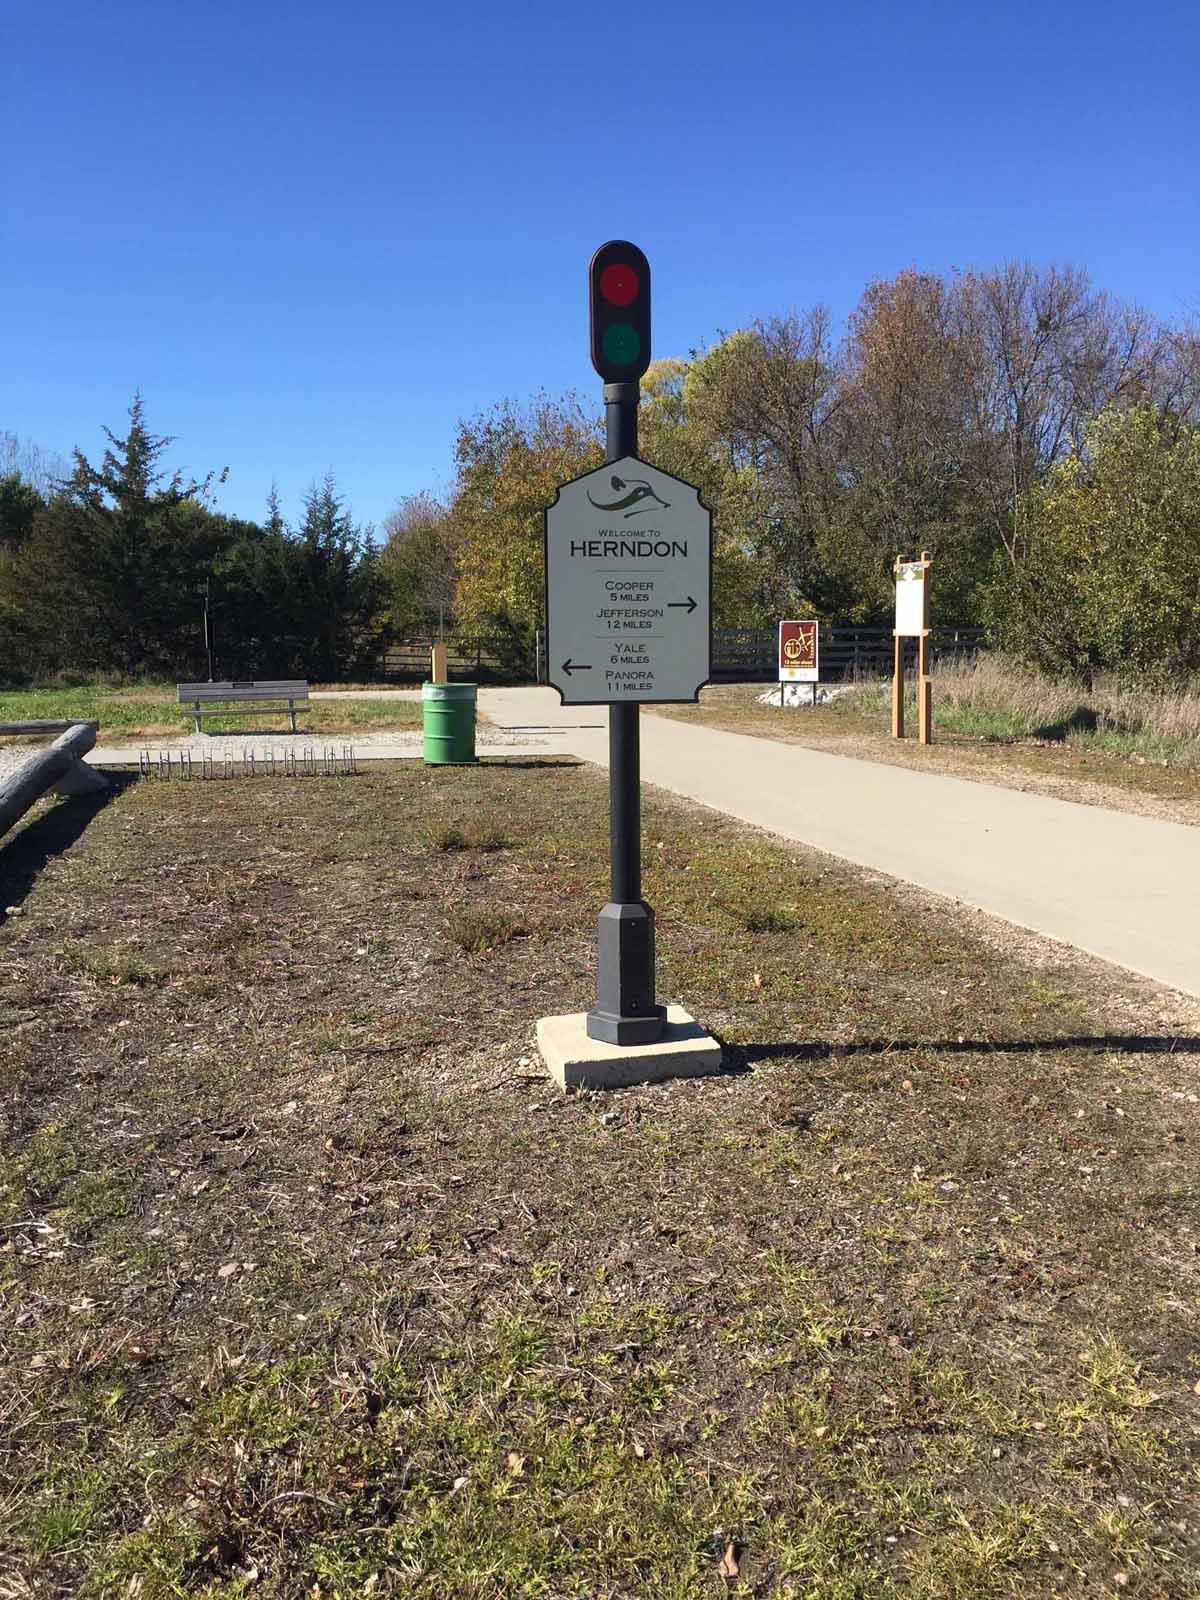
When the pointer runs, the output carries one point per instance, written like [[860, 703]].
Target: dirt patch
[[314, 1286]]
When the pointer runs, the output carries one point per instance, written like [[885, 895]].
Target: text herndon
[[619, 549]]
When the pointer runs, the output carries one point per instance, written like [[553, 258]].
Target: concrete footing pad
[[577, 1062]]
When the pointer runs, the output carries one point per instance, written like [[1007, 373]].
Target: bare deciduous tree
[[1041, 354], [419, 563], [38, 468]]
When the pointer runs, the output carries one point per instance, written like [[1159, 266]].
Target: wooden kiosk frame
[[910, 626]]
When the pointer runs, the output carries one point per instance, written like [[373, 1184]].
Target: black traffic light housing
[[619, 282]]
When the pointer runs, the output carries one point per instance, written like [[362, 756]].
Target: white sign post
[[912, 621], [628, 587], [912, 605]]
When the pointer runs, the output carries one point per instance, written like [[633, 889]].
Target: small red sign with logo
[[798, 652]]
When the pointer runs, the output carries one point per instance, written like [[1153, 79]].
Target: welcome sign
[[628, 587]]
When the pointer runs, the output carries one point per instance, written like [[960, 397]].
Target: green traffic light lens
[[621, 344]]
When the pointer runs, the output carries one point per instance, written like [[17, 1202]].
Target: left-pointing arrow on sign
[[570, 666], [689, 604]]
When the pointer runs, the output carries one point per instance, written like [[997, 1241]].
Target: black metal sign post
[[628, 552], [626, 1011]]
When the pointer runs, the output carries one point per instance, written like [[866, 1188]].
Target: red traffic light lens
[[619, 284]]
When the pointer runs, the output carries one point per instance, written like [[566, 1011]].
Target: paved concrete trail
[[1121, 887]]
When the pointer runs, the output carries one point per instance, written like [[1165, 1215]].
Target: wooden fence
[[750, 655], [471, 660], [740, 655]]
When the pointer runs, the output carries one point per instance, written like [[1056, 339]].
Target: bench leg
[[292, 713], [196, 715]]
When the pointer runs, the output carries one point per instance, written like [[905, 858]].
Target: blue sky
[[315, 236]]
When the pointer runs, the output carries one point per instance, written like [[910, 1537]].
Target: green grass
[[149, 710], [75, 1510], [486, 836], [480, 928], [38, 1172], [111, 963], [1122, 728]]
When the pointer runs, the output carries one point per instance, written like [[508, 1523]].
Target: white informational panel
[[912, 613], [628, 585]]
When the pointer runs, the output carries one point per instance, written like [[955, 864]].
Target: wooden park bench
[[213, 699]]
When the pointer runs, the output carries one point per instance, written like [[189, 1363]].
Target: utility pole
[[207, 631]]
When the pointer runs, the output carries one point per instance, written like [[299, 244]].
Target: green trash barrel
[[448, 720]]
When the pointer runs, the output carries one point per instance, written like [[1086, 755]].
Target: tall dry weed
[[996, 696], [995, 682]]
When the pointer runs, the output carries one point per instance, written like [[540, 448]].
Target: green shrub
[[1111, 581]]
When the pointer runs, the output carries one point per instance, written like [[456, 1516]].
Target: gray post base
[[625, 1011]]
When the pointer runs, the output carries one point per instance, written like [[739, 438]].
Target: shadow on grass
[[25, 853], [744, 1057], [1082, 720], [531, 762]]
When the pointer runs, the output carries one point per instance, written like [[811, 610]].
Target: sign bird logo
[[639, 491]]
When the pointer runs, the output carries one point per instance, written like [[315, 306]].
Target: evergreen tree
[[19, 504], [108, 577], [295, 603], [274, 526], [329, 550]]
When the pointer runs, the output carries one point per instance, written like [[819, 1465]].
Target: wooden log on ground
[[59, 726], [57, 763]]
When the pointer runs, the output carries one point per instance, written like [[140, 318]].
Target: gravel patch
[[234, 744], [364, 694], [12, 755]]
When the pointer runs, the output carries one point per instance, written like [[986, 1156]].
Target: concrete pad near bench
[[577, 1062]]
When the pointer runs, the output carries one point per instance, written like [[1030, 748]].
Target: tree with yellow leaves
[[510, 465]]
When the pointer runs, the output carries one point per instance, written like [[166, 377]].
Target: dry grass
[[480, 928], [994, 696], [313, 1286]]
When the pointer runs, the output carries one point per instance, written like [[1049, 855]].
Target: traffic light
[[619, 277]]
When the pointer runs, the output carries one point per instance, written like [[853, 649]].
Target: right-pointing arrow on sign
[[689, 604], [570, 666]]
